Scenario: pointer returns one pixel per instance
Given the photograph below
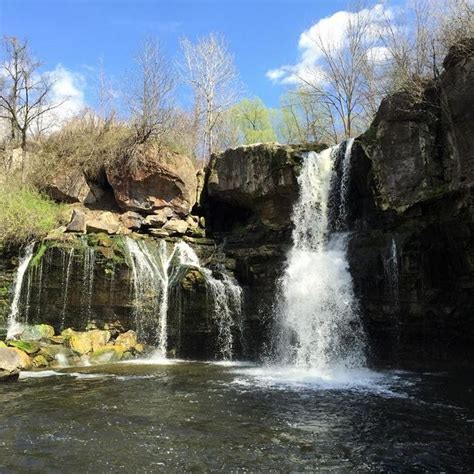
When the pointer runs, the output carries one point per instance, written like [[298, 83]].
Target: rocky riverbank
[[40, 347]]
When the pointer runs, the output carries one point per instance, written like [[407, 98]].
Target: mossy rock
[[107, 355], [38, 332], [29, 347], [40, 362]]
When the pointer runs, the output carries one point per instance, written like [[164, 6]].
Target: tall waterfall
[[154, 272], [13, 324], [320, 326]]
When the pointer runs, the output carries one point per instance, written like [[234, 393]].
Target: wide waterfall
[[13, 323], [155, 271], [320, 326]]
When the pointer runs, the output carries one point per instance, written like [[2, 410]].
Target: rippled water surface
[[220, 417]]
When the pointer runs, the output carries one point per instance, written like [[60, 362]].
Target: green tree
[[253, 121]]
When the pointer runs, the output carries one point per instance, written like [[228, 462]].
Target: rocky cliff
[[410, 216]]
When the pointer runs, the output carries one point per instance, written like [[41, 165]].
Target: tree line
[[381, 49]]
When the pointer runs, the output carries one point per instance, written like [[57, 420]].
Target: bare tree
[[418, 38], [149, 97], [305, 119], [24, 96], [209, 68], [339, 80]]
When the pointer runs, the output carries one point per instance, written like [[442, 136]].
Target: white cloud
[[328, 33], [67, 91]]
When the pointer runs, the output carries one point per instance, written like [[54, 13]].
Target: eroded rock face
[[258, 178], [457, 99], [412, 250], [160, 182], [71, 187]]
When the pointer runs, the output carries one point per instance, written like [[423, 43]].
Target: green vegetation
[[253, 122], [26, 214]]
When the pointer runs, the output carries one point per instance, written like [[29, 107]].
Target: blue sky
[[262, 34]]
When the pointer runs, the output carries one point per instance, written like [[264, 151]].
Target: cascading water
[[320, 326], [88, 281], [392, 271], [14, 326], [67, 265], [155, 272]]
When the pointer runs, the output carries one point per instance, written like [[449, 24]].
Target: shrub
[[26, 214]]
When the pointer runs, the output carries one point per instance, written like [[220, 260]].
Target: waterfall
[[87, 281], [67, 264], [320, 326], [150, 284], [155, 272], [392, 272], [13, 324]]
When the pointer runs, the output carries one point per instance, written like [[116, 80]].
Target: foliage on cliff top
[[26, 214]]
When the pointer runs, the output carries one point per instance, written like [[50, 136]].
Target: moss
[[36, 260]]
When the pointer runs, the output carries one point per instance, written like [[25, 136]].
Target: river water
[[201, 417]]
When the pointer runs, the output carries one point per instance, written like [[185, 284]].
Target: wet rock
[[107, 355], [89, 341], [29, 347], [37, 332], [158, 180], [128, 340], [40, 362], [80, 342]]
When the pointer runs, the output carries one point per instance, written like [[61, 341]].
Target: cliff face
[[411, 217], [410, 214], [412, 252]]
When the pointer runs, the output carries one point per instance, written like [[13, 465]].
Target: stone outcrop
[[259, 179], [412, 252], [71, 186], [157, 182]]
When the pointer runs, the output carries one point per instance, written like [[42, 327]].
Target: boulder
[[10, 365], [78, 222], [159, 180], [159, 218], [40, 361], [29, 347], [80, 342], [131, 220], [89, 341], [107, 355], [25, 358], [128, 340], [176, 226], [103, 222], [37, 332], [70, 186]]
